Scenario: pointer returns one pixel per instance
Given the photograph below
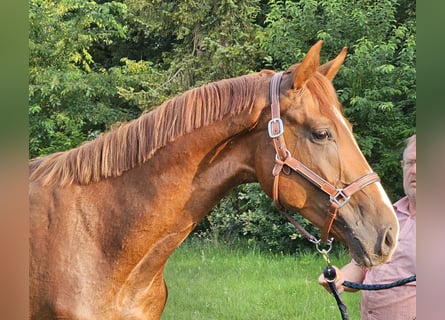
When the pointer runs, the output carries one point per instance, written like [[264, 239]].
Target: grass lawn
[[218, 282]]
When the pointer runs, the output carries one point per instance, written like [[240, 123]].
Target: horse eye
[[321, 135]]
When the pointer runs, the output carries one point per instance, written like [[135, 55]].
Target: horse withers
[[106, 216]]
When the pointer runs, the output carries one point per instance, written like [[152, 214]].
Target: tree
[[201, 41], [72, 98]]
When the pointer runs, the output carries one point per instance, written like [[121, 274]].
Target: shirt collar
[[402, 206]]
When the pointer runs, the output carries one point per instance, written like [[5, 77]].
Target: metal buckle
[[270, 128], [340, 198]]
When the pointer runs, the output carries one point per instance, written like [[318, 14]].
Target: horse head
[[319, 169]]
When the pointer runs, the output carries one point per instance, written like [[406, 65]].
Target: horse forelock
[[131, 144], [323, 91]]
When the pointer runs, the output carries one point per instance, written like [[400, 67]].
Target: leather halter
[[337, 196]]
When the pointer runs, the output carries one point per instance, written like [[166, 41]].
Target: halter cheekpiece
[[283, 159]]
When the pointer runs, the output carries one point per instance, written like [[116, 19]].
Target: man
[[398, 303]]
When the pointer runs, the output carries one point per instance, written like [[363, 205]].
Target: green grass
[[218, 282]]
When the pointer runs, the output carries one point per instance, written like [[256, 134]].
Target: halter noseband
[[337, 196]]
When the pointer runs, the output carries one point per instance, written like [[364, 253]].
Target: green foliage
[[93, 64], [248, 213], [63, 32], [381, 106], [207, 40], [68, 102]]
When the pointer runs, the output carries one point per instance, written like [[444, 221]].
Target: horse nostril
[[389, 239], [386, 242]]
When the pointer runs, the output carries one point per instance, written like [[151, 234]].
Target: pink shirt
[[398, 303]]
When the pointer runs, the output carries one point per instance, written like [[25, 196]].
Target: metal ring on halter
[[340, 198], [328, 243], [277, 157]]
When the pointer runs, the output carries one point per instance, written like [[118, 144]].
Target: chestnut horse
[[106, 216]]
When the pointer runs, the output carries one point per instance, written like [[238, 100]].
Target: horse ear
[[308, 66], [330, 69]]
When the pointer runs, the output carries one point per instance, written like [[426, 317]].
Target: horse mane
[[133, 143]]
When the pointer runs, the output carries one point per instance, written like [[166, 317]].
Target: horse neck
[[204, 166], [175, 189]]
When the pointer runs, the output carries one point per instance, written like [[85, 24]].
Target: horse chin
[[364, 257], [359, 249]]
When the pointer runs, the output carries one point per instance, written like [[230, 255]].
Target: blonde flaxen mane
[[133, 143]]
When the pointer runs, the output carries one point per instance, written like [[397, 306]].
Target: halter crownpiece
[[337, 196]]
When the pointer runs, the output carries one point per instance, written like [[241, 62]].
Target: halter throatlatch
[[337, 196]]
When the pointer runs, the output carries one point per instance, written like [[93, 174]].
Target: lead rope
[[330, 275], [361, 286]]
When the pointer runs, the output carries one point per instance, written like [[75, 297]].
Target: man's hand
[[339, 279]]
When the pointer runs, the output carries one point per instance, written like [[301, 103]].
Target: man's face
[[409, 171]]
